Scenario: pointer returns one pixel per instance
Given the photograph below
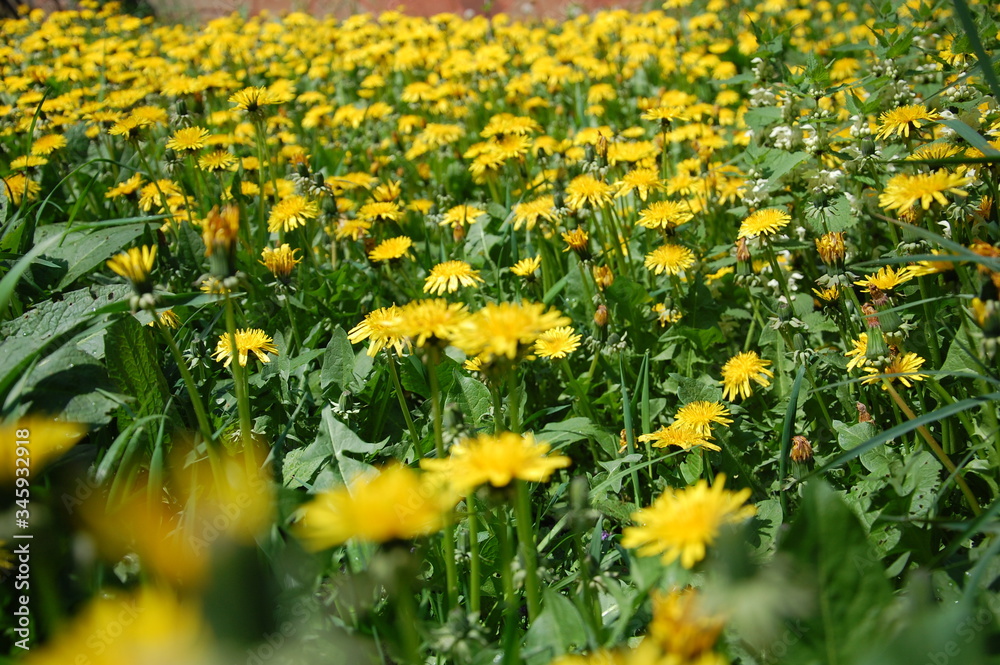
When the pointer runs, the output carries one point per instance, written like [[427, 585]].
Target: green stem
[[450, 568], [529, 550], [475, 562], [408, 618], [514, 401], [189, 383], [497, 407], [239, 378], [394, 373], [511, 620]]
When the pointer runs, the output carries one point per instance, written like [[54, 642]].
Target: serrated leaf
[[32, 332], [338, 361], [134, 365], [81, 251], [301, 465], [702, 388]]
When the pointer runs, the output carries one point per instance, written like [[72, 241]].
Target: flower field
[[633, 338]]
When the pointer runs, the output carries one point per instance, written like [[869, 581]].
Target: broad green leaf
[[338, 361], [342, 439], [301, 465], [759, 118], [472, 396], [850, 437], [74, 385], [557, 630], [134, 365], [36, 329], [851, 593], [79, 252], [779, 163]]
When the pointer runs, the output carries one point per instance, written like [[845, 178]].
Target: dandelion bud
[[831, 248], [135, 265], [601, 316], [867, 148], [180, 108], [889, 320], [871, 315], [219, 233], [801, 449], [603, 277], [578, 240], [863, 415], [602, 146], [877, 350], [281, 261], [742, 251], [458, 232]]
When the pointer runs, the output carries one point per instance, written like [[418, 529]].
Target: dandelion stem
[[394, 373], [514, 401], [510, 604], [239, 378], [450, 568], [475, 562], [529, 549], [189, 383]]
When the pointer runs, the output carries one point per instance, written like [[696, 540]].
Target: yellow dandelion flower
[[125, 187], [45, 438], [577, 240], [462, 215], [219, 230], [701, 414], [528, 213], [505, 330], [669, 258], [679, 435], [682, 523], [449, 276], [905, 365], [829, 294], [900, 121], [740, 370], [887, 278], [168, 318], [498, 460], [586, 190], [431, 322], [765, 222], [682, 626], [281, 260], [665, 114], [252, 99], [187, 139], [904, 191], [397, 503], [642, 181], [25, 162], [557, 343], [381, 326], [291, 213], [46, 145], [18, 186], [527, 267], [859, 349], [134, 265], [354, 229], [380, 211], [247, 340], [218, 160], [831, 248], [391, 249], [665, 215]]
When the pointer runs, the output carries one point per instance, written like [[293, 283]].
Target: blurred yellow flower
[[497, 460], [35, 440]]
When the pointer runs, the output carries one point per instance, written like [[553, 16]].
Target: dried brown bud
[[802, 450], [601, 316], [742, 251], [863, 415], [869, 311]]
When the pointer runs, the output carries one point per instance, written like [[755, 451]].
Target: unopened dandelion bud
[[742, 251], [831, 248], [603, 277], [601, 316], [867, 147], [801, 449], [889, 320], [458, 232], [219, 233], [877, 350]]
